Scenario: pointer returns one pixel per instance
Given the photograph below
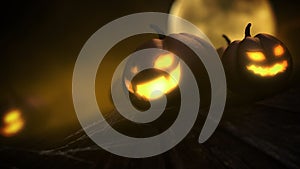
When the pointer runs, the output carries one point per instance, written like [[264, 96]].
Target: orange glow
[[13, 123], [128, 85], [256, 56], [268, 71], [278, 50], [162, 84], [134, 70], [164, 61]]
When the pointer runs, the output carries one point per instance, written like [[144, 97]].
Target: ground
[[264, 134]]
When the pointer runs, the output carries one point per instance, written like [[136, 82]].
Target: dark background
[[40, 42], [39, 45]]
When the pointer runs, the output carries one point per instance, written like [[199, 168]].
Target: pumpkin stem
[[247, 30], [160, 33], [227, 39], [160, 36]]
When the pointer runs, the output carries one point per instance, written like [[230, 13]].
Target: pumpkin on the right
[[257, 66]]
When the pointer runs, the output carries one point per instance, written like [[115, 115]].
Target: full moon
[[230, 17]]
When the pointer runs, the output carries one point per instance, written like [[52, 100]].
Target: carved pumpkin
[[145, 82], [257, 66]]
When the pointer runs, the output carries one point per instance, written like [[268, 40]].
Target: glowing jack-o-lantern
[[164, 84], [148, 86], [256, 63], [144, 84], [13, 122]]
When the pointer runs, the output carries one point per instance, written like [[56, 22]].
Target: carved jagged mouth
[[269, 70], [162, 84]]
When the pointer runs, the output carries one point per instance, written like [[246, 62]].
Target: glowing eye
[[278, 50], [256, 56], [164, 61]]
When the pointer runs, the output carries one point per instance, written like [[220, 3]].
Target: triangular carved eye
[[256, 56], [164, 61], [278, 51]]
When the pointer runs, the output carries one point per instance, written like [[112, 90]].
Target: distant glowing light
[[268, 71], [13, 123]]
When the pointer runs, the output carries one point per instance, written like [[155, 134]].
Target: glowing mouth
[[162, 84], [268, 71]]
